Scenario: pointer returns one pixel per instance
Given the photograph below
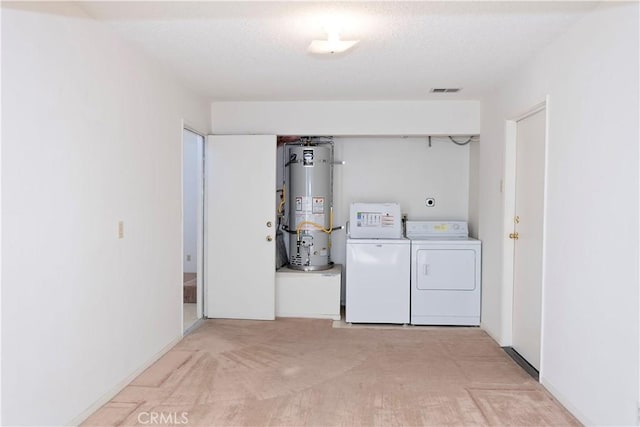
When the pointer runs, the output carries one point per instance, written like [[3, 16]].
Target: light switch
[[120, 229]]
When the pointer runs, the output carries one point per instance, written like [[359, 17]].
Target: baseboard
[[496, 338], [309, 315], [562, 399], [121, 385], [193, 327]]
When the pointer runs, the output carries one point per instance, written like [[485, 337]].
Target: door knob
[[269, 224], [514, 236], [269, 238]]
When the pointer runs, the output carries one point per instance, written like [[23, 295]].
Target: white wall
[[191, 175], [590, 343], [403, 170], [91, 135], [1, 258], [347, 118]]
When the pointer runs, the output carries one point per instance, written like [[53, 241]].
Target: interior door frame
[[200, 297], [509, 190]]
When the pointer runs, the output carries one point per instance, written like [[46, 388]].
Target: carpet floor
[[302, 372]]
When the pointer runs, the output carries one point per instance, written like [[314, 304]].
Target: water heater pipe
[[316, 225]]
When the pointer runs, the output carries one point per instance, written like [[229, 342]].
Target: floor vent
[[522, 362], [445, 90]]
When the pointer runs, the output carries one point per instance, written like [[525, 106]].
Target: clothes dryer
[[445, 273]]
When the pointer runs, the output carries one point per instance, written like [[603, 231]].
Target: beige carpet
[[301, 372]]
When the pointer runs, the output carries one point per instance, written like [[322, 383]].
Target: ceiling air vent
[[445, 89]]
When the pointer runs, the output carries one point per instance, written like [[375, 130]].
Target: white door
[[240, 226], [528, 224]]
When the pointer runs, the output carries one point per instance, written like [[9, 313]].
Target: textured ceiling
[[258, 50]]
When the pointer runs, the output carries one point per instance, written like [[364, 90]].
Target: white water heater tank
[[309, 206]]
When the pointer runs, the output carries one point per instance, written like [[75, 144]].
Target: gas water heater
[[310, 205]]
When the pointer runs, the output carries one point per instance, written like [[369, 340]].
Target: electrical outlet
[[120, 229], [430, 202], [189, 257]]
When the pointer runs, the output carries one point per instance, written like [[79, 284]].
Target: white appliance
[[445, 273], [377, 265]]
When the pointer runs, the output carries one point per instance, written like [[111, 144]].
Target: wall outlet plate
[[430, 202]]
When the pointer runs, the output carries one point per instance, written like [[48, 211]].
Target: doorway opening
[[192, 227]]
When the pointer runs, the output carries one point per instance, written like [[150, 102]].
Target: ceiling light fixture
[[333, 44]]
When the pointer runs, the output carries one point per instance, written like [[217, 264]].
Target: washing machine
[[445, 273], [378, 265]]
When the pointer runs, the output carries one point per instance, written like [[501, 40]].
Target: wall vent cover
[[445, 89]]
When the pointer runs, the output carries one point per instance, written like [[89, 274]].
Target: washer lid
[[437, 229]]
